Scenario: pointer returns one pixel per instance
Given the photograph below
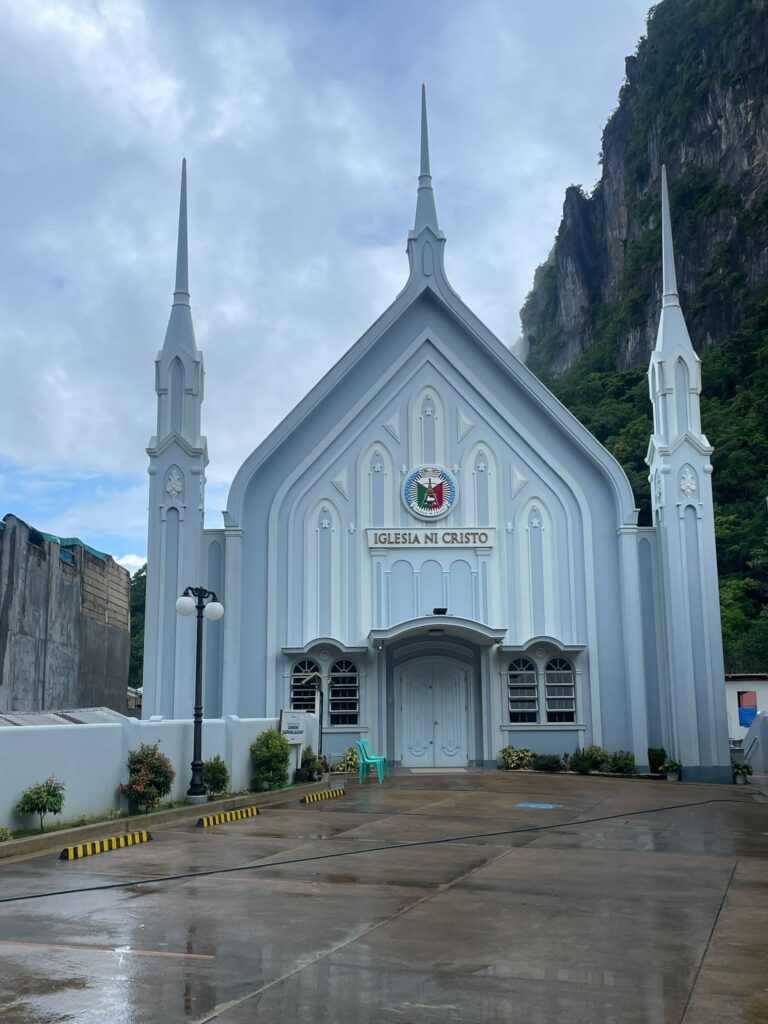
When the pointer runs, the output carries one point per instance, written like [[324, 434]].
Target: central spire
[[426, 214], [181, 291]]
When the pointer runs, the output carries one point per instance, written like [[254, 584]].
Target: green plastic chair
[[370, 760]]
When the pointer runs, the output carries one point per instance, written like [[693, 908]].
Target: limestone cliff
[[696, 98]]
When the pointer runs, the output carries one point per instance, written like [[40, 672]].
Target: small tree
[[215, 775], [271, 753], [150, 776], [44, 798]]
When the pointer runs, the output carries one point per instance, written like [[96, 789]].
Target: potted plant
[[740, 772], [672, 769]]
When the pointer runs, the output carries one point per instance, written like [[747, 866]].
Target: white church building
[[436, 545]]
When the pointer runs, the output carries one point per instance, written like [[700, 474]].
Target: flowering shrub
[[349, 763], [513, 759], [150, 776], [44, 798]]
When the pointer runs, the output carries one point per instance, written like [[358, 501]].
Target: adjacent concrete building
[[64, 623]]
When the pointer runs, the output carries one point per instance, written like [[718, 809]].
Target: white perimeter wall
[[91, 760]]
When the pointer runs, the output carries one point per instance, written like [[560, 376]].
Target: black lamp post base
[[191, 798]]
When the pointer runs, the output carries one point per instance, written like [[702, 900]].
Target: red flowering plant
[[150, 776]]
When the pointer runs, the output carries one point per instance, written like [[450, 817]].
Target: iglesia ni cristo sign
[[424, 538]]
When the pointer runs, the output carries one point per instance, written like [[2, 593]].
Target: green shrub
[[656, 758], [113, 814], [597, 757], [621, 762], [547, 763], [215, 775], [349, 763], [514, 760], [270, 754], [672, 766], [5, 834], [580, 762], [43, 798], [150, 776]]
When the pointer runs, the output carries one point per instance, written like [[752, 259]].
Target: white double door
[[434, 713]]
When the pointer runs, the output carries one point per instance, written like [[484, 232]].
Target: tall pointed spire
[[669, 288], [181, 291], [426, 214]]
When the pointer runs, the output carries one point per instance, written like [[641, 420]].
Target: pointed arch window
[[560, 691], [522, 691], [305, 685], [344, 694]]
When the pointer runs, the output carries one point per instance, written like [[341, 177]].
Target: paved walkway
[[604, 908]]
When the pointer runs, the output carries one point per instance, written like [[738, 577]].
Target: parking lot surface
[[432, 898]]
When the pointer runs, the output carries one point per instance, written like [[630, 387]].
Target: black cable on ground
[[370, 849]]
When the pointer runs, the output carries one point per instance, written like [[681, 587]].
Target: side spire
[[672, 332], [180, 334], [181, 291], [426, 214], [669, 286]]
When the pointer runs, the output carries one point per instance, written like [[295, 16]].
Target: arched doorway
[[434, 727]]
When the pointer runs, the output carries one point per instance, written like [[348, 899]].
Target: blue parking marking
[[541, 807]]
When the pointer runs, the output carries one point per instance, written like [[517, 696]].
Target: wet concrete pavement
[[642, 915]]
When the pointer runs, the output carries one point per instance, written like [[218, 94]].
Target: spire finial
[[426, 214], [424, 171], [669, 278], [181, 292]]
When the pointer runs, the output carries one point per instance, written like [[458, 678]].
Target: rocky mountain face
[[696, 98]]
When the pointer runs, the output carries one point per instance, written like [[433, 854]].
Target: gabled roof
[[425, 248]]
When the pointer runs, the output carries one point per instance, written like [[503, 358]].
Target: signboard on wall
[[416, 537], [293, 725]]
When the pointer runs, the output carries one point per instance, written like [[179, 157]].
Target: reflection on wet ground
[[628, 902]]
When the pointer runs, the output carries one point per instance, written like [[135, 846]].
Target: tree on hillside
[[138, 600]]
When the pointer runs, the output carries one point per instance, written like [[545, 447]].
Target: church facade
[[433, 544]]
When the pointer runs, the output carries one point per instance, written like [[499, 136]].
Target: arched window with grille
[[344, 694], [305, 683], [560, 691], [522, 691]]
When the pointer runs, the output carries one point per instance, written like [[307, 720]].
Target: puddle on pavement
[[37, 985]]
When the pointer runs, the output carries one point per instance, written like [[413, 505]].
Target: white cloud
[[131, 562], [300, 124]]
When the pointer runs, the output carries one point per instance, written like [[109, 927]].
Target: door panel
[[417, 720], [434, 714], [449, 704]]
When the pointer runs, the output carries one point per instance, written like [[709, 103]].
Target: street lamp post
[[194, 600]]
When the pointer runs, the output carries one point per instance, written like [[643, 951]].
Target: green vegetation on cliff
[[616, 407], [695, 97]]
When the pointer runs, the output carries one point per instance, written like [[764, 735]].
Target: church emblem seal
[[429, 492]]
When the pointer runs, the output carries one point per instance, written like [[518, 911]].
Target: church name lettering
[[430, 538]]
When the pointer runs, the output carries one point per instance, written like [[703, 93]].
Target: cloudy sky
[[299, 121]]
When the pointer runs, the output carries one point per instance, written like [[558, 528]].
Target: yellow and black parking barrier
[[324, 794], [104, 845], [225, 816]]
